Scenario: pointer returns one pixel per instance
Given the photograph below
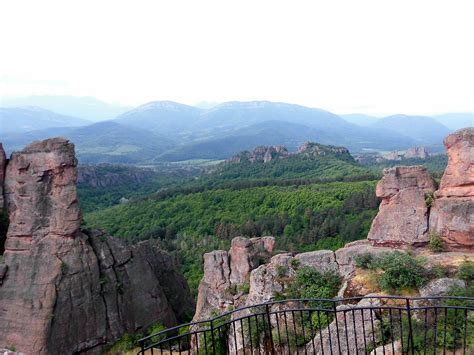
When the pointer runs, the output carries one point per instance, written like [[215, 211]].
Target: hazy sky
[[347, 56]]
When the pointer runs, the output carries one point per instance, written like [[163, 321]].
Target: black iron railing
[[364, 325]]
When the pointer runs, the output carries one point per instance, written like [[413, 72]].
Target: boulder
[[452, 212], [402, 220], [321, 260], [66, 291], [440, 287]]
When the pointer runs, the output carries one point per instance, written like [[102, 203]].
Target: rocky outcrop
[[416, 152], [410, 153], [226, 273], [452, 212], [262, 154], [247, 254], [402, 220], [3, 165], [66, 291]]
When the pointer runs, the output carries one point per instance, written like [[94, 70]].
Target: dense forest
[[306, 217]]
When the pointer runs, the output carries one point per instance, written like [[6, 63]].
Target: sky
[[374, 57]]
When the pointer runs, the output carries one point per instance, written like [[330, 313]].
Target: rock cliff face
[[3, 165], [262, 154], [417, 152], [64, 291], [403, 215], [225, 273], [452, 213]]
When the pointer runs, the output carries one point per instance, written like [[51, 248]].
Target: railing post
[[267, 309], [410, 330], [334, 307], [212, 338], [142, 346]]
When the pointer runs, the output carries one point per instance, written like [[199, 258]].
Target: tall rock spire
[[452, 213]]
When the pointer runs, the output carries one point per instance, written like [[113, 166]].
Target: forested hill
[[312, 160]]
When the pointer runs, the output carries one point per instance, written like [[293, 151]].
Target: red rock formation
[[403, 214], [452, 212], [247, 254], [3, 165], [64, 291], [226, 272]]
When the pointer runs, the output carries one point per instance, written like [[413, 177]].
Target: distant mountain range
[[169, 131], [26, 119], [88, 108]]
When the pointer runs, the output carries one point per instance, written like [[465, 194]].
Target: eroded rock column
[[402, 220], [452, 213]]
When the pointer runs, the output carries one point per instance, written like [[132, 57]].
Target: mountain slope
[[25, 119], [164, 117], [425, 130], [85, 107], [456, 121], [115, 143], [360, 119], [290, 135], [102, 142]]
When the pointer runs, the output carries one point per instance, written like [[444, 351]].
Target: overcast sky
[[346, 56]]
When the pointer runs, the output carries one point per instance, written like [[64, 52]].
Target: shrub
[[310, 283], [466, 271], [429, 197], [295, 263], [400, 270], [281, 271], [245, 288], [436, 243], [365, 261]]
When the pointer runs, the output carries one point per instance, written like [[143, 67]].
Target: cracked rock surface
[[65, 291]]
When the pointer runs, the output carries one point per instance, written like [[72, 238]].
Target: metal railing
[[363, 325]]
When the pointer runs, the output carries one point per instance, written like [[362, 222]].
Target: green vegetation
[[466, 272], [129, 342], [105, 185], [300, 217], [295, 166], [310, 283], [398, 271], [436, 243]]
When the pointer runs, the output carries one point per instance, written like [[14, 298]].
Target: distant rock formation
[[452, 212], [265, 154], [403, 213], [396, 155], [417, 152], [262, 154], [65, 291]]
